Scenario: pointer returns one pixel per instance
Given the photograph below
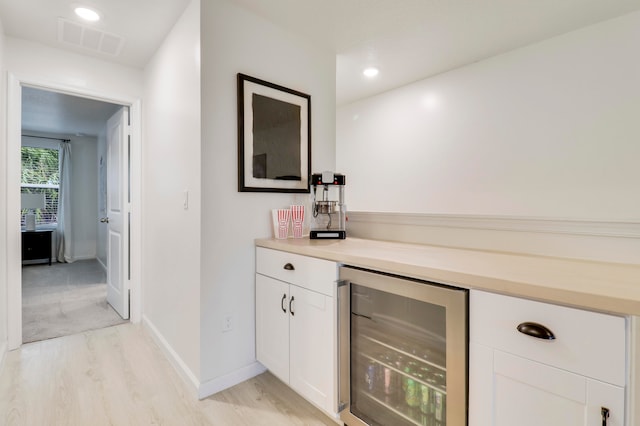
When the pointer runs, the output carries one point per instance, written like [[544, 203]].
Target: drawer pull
[[284, 296], [605, 415], [536, 330], [289, 267]]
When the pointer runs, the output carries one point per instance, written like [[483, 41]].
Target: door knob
[[104, 219]]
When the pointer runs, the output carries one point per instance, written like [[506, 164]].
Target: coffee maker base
[[327, 234]]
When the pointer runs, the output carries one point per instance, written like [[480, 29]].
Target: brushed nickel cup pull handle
[[536, 330]]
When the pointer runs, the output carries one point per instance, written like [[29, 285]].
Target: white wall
[[84, 201], [29, 60], [233, 41], [84, 194], [171, 153], [53, 68], [548, 131], [79, 74], [3, 196]]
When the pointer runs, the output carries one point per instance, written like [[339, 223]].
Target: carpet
[[64, 299]]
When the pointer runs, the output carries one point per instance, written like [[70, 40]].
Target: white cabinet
[[272, 325], [518, 379], [296, 323], [312, 352]]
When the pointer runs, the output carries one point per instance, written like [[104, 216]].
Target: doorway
[[14, 142], [64, 145]]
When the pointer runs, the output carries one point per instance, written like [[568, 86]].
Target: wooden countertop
[[606, 287]]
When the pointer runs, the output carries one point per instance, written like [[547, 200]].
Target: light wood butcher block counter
[[600, 286]]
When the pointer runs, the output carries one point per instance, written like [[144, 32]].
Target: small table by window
[[36, 245]]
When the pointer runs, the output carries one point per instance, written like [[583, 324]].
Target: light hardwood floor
[[118, 376]]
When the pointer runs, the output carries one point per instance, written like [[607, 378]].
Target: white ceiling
[[143, 24], [49, 112], [407, 40]]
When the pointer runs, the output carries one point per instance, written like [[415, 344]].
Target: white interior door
[[117, 213]]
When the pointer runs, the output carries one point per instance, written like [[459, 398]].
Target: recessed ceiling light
[[87, 14], [430, 101], [370, 72]]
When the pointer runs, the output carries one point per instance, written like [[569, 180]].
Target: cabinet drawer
[[308, 272], [588, 343]]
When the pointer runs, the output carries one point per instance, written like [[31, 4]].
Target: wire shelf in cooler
[[426, 349], [437, 387], [405, 353]]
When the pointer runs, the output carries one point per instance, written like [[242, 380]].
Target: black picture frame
[[274, 137]]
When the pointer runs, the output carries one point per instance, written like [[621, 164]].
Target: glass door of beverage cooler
[[403, 351]]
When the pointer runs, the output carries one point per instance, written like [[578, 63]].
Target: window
[[40, 174]]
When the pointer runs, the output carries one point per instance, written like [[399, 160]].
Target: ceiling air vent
[[89, 38]]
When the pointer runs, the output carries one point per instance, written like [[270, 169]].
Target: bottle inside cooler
[[398, 362]]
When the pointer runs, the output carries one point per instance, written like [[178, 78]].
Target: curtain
[[64, 204]]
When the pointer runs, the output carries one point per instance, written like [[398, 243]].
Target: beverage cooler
[[403, 351]]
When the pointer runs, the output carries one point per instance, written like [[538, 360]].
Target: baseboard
[[218, 384], [86, 257], [102, 264], [180, 366], [611, 241], [210, 387]]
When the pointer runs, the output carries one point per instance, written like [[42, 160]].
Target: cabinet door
[[480, 385], [272, 325], [312, 349], [527, 393], [36, 245]]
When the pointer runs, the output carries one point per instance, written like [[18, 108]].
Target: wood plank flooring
[[118, 376]]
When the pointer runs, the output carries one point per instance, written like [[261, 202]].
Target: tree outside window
[[41, 174]]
